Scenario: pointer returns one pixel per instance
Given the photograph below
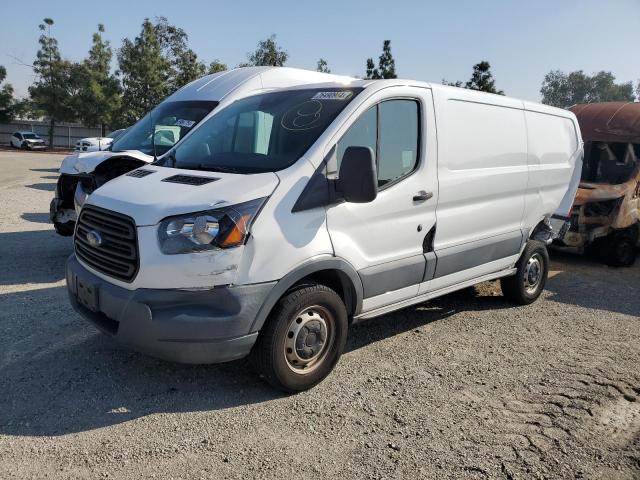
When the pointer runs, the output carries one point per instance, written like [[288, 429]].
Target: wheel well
[[337, 281], [542, 232]]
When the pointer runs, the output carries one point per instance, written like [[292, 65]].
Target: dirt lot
[[467, 386]]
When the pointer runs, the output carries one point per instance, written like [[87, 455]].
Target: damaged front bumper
[[187, 326]]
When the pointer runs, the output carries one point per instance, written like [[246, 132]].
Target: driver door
[[384, 239]]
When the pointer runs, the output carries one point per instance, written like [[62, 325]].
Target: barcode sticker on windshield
[[184, 123], [331, 96]]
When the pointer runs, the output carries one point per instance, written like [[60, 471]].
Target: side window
[[19, 136], [398, 141], [390, 129], [363, 133]]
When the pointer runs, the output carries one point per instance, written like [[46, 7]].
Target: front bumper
[[187, 326]]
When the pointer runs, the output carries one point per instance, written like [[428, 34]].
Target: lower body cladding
[[187, 326]]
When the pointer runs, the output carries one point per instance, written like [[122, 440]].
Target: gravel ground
[[466, 386]]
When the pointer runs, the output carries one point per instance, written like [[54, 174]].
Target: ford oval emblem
[[94, 239]]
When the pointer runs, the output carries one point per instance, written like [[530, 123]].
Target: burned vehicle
[[605, 218]]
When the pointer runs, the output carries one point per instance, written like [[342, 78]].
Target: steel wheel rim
[[308, 340], [533, 273]]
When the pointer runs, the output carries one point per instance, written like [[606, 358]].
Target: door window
[[363, 133], [391, 130], [397, 140]]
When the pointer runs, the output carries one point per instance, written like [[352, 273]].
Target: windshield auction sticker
[[184, 123], [331, 96]]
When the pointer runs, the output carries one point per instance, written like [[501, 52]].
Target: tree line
[[158, 61]]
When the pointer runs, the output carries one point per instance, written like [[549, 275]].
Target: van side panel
[[482, 174], [554, 148]]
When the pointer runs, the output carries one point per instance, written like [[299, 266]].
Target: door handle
[[422, 196]]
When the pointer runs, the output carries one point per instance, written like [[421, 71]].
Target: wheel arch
[[334, 272]]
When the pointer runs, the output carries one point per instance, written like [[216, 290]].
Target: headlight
[[213, 229]]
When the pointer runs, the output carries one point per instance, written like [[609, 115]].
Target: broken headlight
[[225, 227]]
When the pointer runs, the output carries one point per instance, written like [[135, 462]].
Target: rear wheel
[[303, 338], [532, 269], [620, 250]]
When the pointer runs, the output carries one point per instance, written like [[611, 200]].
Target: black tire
[[64, 229], [620, 250], [302, 310], [528, 283]]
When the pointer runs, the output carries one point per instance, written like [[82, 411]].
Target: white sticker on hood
[[331, 96], [184, 123]]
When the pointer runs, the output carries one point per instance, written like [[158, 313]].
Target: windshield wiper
[[162, 162]]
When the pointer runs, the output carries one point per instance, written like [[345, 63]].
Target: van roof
[[217, 86], [452, 92]]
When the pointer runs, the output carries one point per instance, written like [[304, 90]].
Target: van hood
[[86, 162], [151, 198]]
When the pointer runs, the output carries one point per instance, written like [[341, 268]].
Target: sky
[[430, 40]]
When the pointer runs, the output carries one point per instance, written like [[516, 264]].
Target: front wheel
[[303, 338], [529, 280], [65, 229]]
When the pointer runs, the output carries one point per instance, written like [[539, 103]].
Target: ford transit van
[[289, 214], [153, 135]]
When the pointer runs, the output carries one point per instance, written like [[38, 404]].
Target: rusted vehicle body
[[606, 212]]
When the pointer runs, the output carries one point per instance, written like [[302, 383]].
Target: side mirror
[[357, 178]]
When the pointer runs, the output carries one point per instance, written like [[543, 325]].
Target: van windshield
[[612, 163], [262, 133], [164, 126]]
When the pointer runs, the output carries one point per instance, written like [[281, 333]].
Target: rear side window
[[391, 130], [18, 136]]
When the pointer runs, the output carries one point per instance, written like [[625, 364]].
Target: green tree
[[386, 64], [145, 73], [268, 53], [372, 72], [155, 64], [184, 64], [323, 66], [216, 66], [452, 84], [50, 93], [563, 90], [482, 79], [9, 106], [188, 69], [99, 96]]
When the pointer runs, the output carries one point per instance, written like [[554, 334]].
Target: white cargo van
[[289, 214], [166, 125]]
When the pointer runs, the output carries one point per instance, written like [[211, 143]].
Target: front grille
[[189, 180], [117, 254]]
